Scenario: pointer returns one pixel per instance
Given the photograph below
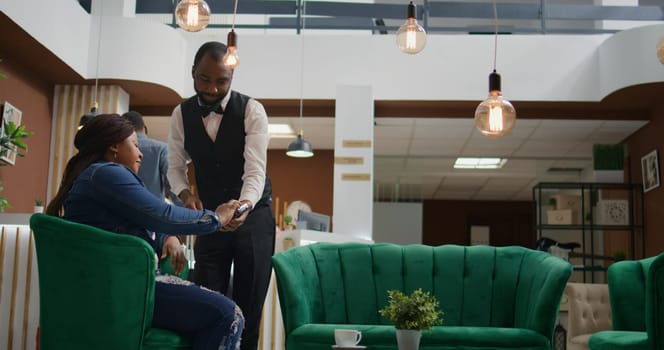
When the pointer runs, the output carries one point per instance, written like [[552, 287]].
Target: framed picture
[[650, 171], [9, 114]]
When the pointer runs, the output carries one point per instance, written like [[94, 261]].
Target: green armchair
[[96, 289], [636, 291], [493, 297]]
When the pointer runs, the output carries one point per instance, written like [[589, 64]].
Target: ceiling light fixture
[[479, 163], [192, 15], [300, 148], [231, 58], [411, 37], [495, 117]]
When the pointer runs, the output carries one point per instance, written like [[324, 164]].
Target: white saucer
[[352, 347]]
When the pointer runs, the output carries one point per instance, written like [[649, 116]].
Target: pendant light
[[495, 117], [411, 37], [231, 58], [192, 15], [300, 148], [85, 118]]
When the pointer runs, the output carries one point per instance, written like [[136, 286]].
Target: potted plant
[[619, 255], [39, 206], [12, 139], [411, 314], [288, 222]]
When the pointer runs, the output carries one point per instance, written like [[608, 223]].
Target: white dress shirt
[[255, 149]]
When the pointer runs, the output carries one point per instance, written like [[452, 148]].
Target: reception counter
[[19, 288]]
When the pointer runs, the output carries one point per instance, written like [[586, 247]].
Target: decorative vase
[[408, 339]]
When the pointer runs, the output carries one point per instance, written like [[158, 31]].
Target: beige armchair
[[589, 312]]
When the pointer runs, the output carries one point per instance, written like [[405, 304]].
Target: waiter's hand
[[226, 211], [238, 221], [190, 201], [173, 248]]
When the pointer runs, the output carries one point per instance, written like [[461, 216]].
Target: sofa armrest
[[298, 285], [541, 286], [589, 308], [655, 302]]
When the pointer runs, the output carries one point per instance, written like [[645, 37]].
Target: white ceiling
[[414, 156]]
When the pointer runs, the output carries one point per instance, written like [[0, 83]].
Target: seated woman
[[100, 188]]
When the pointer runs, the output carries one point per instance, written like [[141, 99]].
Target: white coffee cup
[[347, 337]]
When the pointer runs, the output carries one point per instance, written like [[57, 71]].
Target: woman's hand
[[238, 221], [173, 248], [226, 211]]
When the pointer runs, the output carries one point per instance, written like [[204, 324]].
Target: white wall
[[399, 223]]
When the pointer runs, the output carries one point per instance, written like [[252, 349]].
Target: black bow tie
[[204, 110]]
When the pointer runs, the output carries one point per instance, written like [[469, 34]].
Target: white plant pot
[[408, 339], [39, 209]]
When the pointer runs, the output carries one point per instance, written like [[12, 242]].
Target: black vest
[[219, 165]]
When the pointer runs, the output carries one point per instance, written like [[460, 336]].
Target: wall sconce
[[192, 15]]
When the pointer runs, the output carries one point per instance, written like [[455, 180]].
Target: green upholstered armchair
[[493, 297], [96, 289], [636, 290]]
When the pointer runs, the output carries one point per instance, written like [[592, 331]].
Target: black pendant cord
[[234, 14], [101, 16], [304, 11], [495, 34]]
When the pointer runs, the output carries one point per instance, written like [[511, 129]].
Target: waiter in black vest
[[224, 133]]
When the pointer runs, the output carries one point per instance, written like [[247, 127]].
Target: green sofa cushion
[[320, 336], [619, 340], [159, 339]]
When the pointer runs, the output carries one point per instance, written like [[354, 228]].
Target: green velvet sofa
[[636, 292], [96, 289], [493, 297]]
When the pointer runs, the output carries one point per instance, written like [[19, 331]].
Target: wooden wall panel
[[449, 221]]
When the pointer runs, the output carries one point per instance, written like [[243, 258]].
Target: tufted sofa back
[[589, 312], [476, 286]]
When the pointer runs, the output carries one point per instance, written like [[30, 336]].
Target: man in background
[[154, 165]]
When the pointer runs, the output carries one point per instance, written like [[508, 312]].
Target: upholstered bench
[[493, 297]]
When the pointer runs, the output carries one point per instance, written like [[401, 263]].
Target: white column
[[353, 165]]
